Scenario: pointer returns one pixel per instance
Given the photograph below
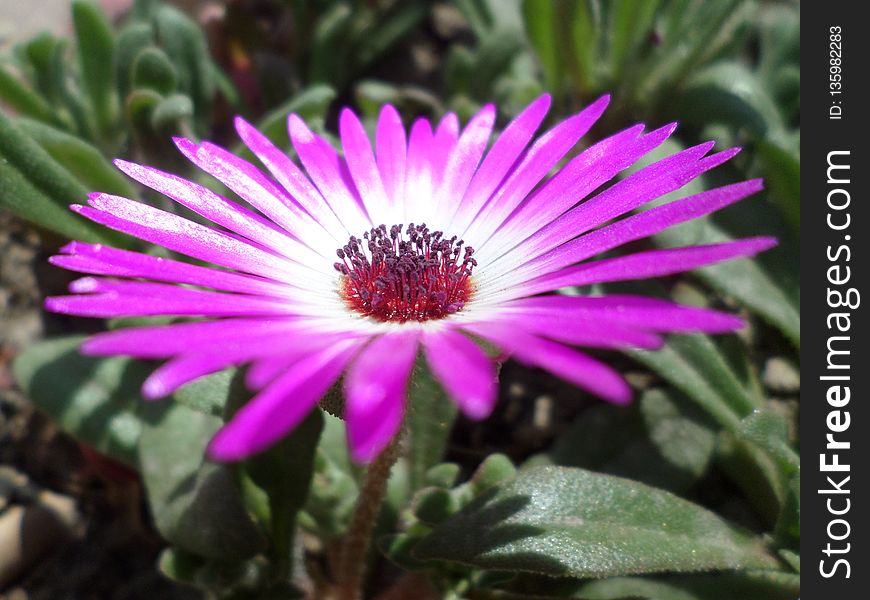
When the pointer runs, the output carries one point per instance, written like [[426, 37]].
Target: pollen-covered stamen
[[415, 276]]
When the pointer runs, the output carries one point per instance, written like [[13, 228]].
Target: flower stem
[[351, 572]]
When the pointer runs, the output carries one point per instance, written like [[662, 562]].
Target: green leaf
[[429, 421], [22, 99], [631, 24], [132, 40], [210, 394], [196, 504], [171, 111], [782, 170], [333, 488], [694, 365], [389, 29], [38, 188], [732, 94], [153, 70], [93, 399], [85, 162], [284, 473], [562, 522], [769, 431], [185, 44], [539, 17], [664, 440], [96, 49]]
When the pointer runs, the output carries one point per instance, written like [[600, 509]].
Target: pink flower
[[341, 266]]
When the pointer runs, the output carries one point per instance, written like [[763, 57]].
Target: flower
[[352, 265]]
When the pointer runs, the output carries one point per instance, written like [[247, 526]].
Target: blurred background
[[88, 89]]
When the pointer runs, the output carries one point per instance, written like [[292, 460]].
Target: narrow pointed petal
[[329, 173], [636, 227], [463, 160], [651, 182], [291, 177], [464, 370], [363, 168], [501, 157], [375, 389], [96, 259], [592, 168], [419, 178], [181, 235], [259, 191], [392, 154], [534, 166], [650, 314], [648, 264]]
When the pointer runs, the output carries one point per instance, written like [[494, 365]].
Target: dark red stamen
[[390, 278]]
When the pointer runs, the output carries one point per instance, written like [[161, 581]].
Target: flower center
[[417, 276]]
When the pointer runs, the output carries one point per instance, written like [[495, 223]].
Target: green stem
[[351, 572]]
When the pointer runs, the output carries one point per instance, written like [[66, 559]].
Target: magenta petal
[[181, 235], [642, 265], [463, 160], [108, 298], [571, 365], [419, 177], [363, 168], [634, 311], [327, 171], [272, 413], [637, 227], [291, 177], [392, 151], [213, 207], [464, 370], [163, 341], [594, 167], [444, 139], [579, 329], [97, 259], [375, 389], [502, 156], [536, 163], [649, 183]]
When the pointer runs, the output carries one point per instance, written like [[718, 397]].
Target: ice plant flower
[[352, 264]]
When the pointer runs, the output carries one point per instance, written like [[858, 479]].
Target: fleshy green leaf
[[171, 111], [695, 366], [96, 49], [430, 418], [153, 70], [561, 521], [540, 19], [93, 399], [664, 440], [80, 158], [22, 99], [284, 473], [210, 394], [184, 42], [196, 504], [38, 188], [132, 40]]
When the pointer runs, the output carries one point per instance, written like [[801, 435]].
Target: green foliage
[[561, 521], [95, 400]]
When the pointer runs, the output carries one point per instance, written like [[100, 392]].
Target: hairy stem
[[351, 572]]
